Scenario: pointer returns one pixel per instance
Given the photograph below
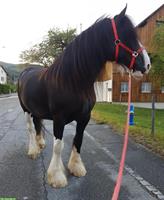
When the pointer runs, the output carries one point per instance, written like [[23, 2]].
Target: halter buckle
[[135, 54], [117, 42]]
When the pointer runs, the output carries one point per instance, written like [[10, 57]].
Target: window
[[162, 89], [160, 22], [2, 79], [146, 87], [124, 87]]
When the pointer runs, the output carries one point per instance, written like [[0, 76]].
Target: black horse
[[65, 91]]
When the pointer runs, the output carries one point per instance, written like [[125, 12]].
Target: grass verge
[[115, 115]]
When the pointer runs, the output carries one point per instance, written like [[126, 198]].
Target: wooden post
[[153, 116]]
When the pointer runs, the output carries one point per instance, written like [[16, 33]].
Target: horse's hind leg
[[39, 133], [75, 164], [55, 174], [34, 149]]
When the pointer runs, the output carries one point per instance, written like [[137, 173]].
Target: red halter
[[118, 43]]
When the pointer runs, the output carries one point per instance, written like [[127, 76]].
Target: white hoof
[[77, 169], [75, 164], [40, 141], [57, 179], [55, 174], [33, 153]]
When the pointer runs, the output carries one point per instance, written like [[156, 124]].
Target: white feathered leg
[[75, 164], [34, 149], [55, 173]]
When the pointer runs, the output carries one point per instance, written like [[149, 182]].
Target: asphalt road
[[25, 179]]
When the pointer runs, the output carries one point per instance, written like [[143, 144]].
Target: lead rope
[[124, 150]]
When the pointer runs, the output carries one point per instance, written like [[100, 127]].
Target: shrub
[[7, 88]]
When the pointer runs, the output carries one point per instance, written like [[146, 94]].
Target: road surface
[[25, 179]]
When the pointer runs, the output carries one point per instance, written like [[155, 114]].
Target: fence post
[[153, 116]]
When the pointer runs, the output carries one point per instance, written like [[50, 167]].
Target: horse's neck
[[81, 62]]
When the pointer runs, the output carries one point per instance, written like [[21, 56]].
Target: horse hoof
[[59, 180], [42, 146], [77, 169], [33, 154], [59, 184], [40, 141]]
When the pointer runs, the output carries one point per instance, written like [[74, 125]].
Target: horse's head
[[129, 52]]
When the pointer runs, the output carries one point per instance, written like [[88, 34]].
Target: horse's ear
[[122, 13]]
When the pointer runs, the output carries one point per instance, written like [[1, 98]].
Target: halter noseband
[[118, 43]]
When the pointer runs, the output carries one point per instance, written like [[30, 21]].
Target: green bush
[[7, 88]]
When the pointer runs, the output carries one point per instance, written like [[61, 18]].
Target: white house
[[103, 86], [3, 75], [103, 91]]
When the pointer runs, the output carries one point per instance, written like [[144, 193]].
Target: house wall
[[145, 32], [106, 72], [137, 95], [146, 29], [3, 76]]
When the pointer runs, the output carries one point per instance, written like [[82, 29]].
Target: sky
[[24, 23]]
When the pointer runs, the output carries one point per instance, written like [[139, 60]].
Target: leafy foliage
[[157, 71], [158, 42], [50, 48], [7, 88]]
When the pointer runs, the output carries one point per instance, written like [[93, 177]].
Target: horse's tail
[[45, 130], [18, 87], [19, 79], [19, 91]]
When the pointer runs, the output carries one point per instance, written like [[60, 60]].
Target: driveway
[[26, 179]]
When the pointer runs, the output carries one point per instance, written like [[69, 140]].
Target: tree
[[157, 71], [52, 45]]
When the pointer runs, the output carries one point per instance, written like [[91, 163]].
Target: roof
[[145, 20], [4, 69]]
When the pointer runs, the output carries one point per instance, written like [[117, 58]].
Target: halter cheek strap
[[118, 44]]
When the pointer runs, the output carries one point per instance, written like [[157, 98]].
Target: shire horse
[[64, 92]]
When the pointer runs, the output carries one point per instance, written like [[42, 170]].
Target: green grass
[[115, 115]]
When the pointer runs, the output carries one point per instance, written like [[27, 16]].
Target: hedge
[[7, 88]]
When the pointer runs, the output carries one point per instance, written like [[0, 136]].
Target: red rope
[[124, 150]]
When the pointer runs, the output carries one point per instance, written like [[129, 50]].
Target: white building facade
[[103, 91], [103, 86], [3, 75]]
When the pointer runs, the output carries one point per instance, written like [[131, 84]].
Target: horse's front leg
[[75, 164], [55, 173]]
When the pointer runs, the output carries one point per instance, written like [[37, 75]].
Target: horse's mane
[[81, 61]]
